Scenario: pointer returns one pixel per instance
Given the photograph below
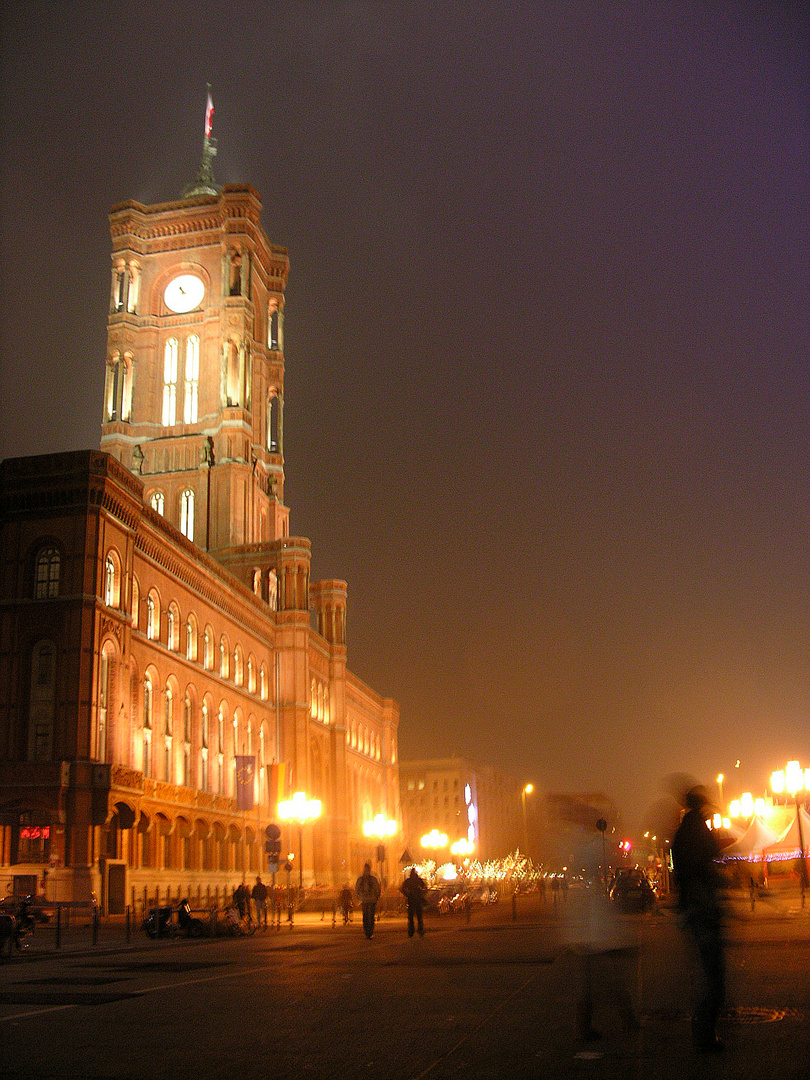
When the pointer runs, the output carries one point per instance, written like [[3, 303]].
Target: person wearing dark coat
[[695, 852], [414, 889]]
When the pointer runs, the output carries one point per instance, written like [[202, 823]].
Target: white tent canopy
[[752, 844], [787, 846]]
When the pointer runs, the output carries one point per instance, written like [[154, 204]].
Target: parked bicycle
[[18, 921], [236, 925], [161, 922]]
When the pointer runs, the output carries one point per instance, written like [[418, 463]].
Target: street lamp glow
[[734, 808], [300, 809], [462, 847], [380, 826], [434, 839], [747, 804]]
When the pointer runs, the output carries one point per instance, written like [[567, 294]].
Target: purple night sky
[[547, 341]]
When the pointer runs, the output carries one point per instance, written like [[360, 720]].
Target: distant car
[[631, 891], [437, 900]]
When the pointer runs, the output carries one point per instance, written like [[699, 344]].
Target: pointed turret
[[204, 183]]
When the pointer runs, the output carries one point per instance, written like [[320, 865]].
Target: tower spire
[[204, 183]]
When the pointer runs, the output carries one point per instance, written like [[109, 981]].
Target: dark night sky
[[547, 340]]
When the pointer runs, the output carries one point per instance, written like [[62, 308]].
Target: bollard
[[127, 924], [59, 926], [95, 924]]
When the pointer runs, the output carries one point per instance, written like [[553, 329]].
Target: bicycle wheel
[[248, 926]]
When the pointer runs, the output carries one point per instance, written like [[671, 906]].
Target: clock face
[[184, 293]]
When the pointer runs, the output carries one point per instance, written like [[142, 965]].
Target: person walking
[[367, 888], [697, 879], [414, 889], [259, 894]]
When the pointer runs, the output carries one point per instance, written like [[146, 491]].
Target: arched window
[[192, 379], [204, 737], [187, 514], [152, 617], [170, 382], [105, 700], [42, 702], [274, 424], [186, 777], [220, 752], [157, 501], [148, 707], [251, 675], [109, 581], [136, 603], [46, 575], [224, 658], [238, 667], [114, 387], [191, 638], [263, 683], [208, 649], [173, 627], [167, 735]]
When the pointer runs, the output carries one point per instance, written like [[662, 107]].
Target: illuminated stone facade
[[158, 621]]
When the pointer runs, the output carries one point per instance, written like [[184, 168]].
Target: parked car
[[632, 891]]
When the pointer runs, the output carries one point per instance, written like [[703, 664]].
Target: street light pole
[[794, 779], [527, 790]]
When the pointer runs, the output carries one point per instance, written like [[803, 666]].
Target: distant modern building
[[168, 671], [462, 801]]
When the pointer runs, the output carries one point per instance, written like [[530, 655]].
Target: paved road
[[492, 998]]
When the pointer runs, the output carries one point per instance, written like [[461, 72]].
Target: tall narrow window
[[186, 777], [115, 375], [110, 591], [208, 649], [148, 703], [187, 513], [167, 736], [104, 678], [192, 379], [220, 753], [42, 702], [170, 382], [171, 627], [152, 618], [204, 748], [274, 424], [48, 565], [156, 501], [191, 638]]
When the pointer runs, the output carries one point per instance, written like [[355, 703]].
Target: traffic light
[[272, 846]]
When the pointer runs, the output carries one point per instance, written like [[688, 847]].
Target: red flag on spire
[[209, 112]]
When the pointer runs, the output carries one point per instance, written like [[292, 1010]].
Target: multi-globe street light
[[794, 780], [381, 828], [300, 809]]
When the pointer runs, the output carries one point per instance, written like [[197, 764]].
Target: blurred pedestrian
[[695, 852], [367, 888], [259, 894], [604, 943], [414, 890]]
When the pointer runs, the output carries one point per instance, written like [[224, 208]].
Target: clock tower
[[194, 391]]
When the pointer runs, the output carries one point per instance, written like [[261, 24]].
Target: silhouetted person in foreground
[[697, 878], [367, 888], [414, 889]]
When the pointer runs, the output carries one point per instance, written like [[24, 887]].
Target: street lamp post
[[300, 809], [794, 780], [381, 828], [527, 790]]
